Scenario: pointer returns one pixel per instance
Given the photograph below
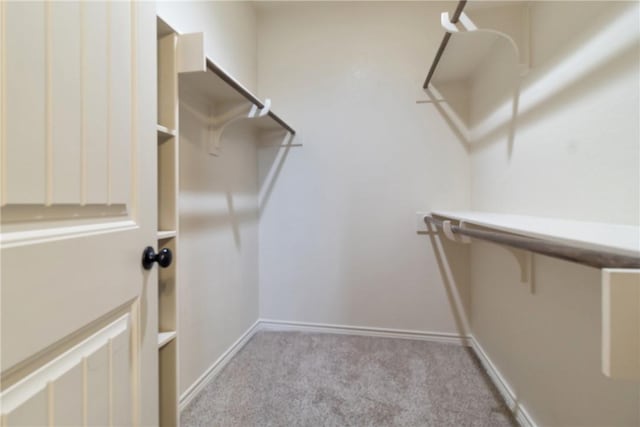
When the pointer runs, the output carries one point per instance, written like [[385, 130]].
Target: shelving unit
[[613, 248], [184, 68], [167, 234]]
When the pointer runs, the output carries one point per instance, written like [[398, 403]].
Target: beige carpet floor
[[309, 379]]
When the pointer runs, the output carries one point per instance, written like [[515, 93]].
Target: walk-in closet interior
[[390, 213], [523, 122]]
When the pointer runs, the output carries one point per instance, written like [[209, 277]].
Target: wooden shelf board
[[220, 88], [211, 87], [165, 133], [615, 238], [166, 234], [165, 338]]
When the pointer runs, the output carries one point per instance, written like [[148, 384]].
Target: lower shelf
[[165, 337], [166, 234]]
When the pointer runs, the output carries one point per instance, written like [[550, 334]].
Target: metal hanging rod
[[443, 43], [245, 93], [590, 257]]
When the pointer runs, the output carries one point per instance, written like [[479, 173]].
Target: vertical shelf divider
[[167, 178]]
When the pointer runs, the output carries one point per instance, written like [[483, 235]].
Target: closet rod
[[443, 43], [245, 93], [233, 83], [592, 258]]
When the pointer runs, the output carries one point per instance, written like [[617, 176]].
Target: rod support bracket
[[524, 258], [450, 27], [525, 263], [219, 123], [448, 232]]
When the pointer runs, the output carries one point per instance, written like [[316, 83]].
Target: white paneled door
[[78, 198]]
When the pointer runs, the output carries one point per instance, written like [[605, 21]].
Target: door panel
[[78, 205], [45, 270], [95, 102], [120, 118], [69, 411], [24, 62], [80, 385], [66, 102]]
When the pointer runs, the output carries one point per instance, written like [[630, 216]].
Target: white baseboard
[[217, 366], [282, 325], [510, 398]]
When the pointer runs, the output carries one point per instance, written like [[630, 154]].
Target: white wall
[[337, 238], [218, 240], [229, 28], [576, 122], [576, 155], [337, 228]]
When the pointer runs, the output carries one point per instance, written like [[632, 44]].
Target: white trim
[[217, 366], [517, 409], [283, 325], [31, 237]]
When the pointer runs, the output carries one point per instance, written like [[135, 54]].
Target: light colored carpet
[[312, 379]]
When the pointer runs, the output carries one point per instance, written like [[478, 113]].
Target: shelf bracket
[[524, 258], [519, 42], [525, 262], [221, 122]]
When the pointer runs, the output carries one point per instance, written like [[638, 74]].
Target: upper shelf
[[201, 74], [475, 77], [443, 43], [471, 34], [611, 238]]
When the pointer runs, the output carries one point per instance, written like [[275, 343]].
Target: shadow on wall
[[453, 266], [456, 100], [274, 149], [216, 191], [598, 52], [547, 345]]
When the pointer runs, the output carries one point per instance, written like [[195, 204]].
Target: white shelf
[[165, 133], [615, 238], [199, 74], [464, 55], [166, 234], [475, 34], [165, 338]]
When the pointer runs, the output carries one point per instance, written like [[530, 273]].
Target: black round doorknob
[[163, 257]]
